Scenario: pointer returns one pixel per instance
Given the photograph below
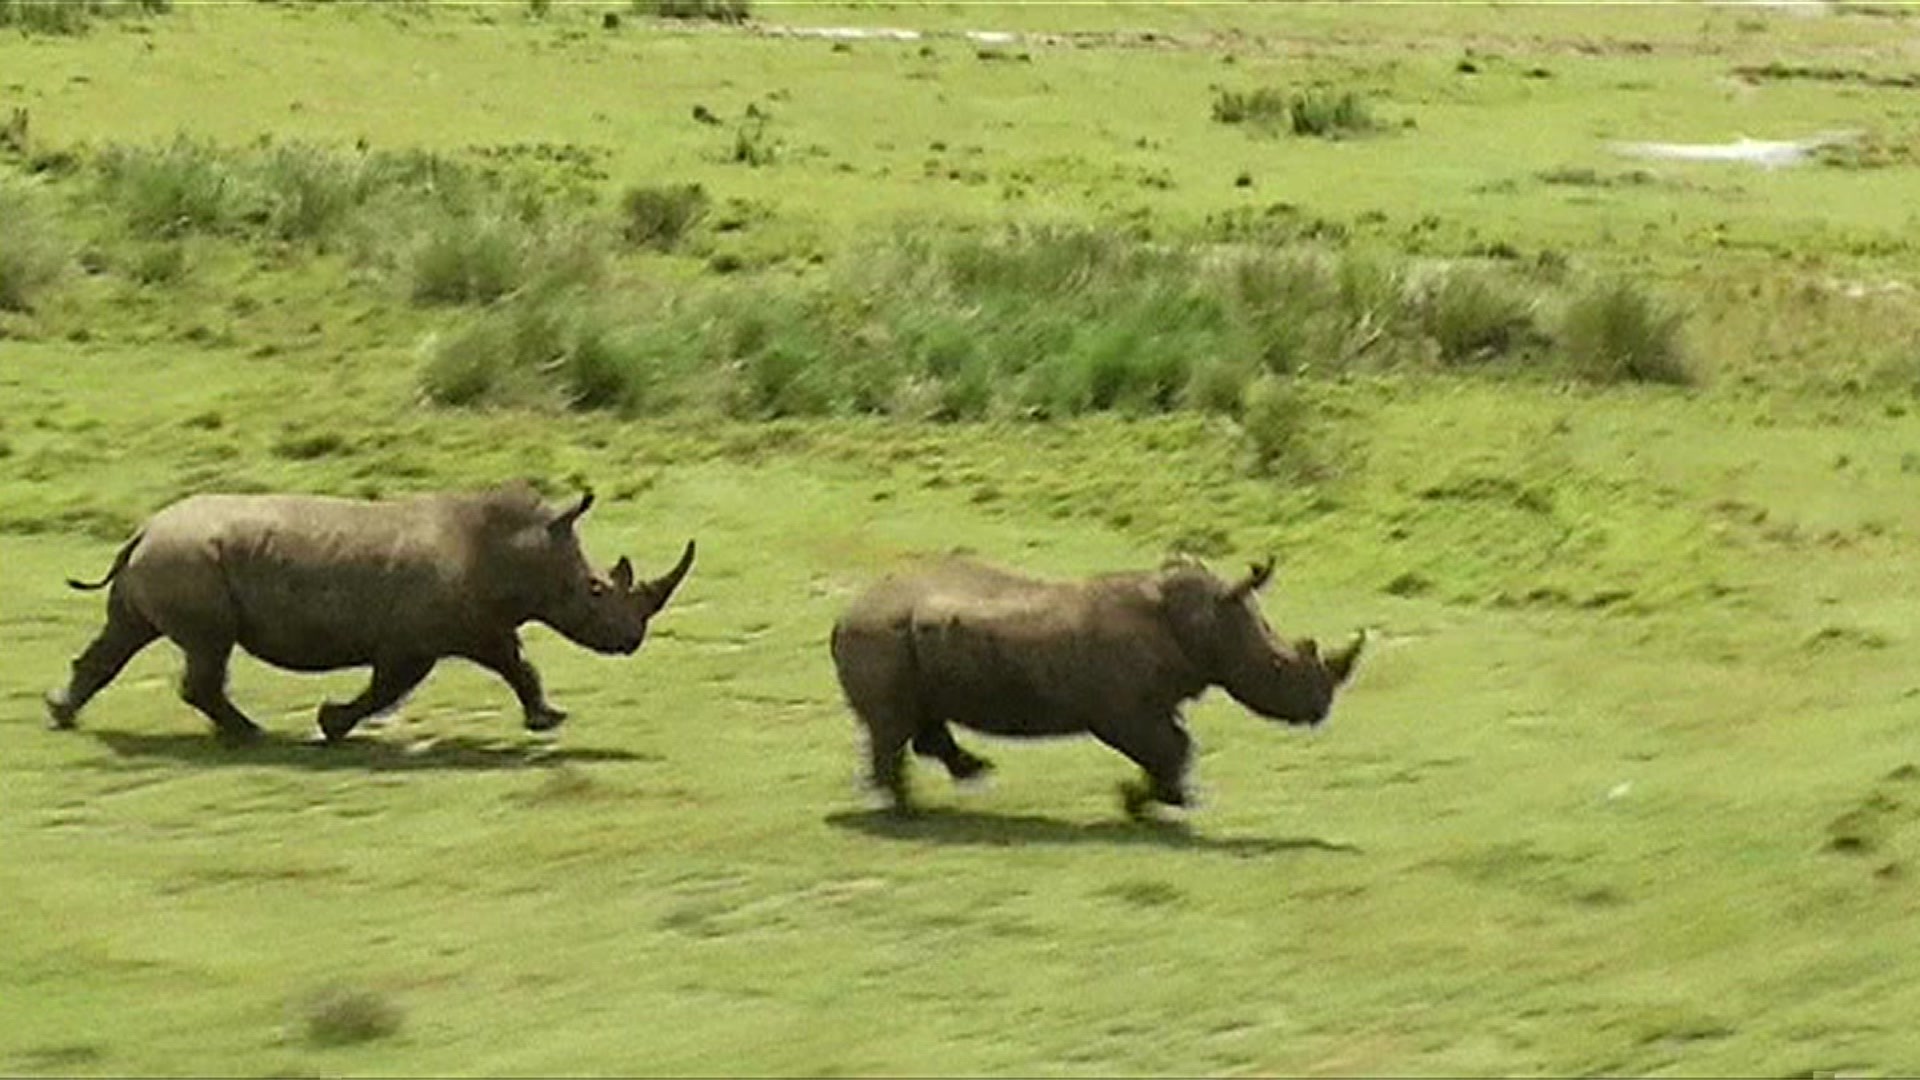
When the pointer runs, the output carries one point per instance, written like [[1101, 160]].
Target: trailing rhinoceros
[[312, 583], [1115, 656]]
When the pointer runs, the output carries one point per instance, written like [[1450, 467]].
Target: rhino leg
[[505, 660], [1162, 748], [935, 740], [126, 633], [391, 681], [204, 686]]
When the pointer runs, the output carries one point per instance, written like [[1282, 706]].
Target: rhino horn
[[1341, 663], [661, 588], [562, 522], [1257, 576]]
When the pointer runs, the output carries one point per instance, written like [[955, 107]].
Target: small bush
[[660, 216], [1473, 316], [1615, 332], [310, 191], [469, 367], [186, 186], [1265, 107], [71, 16], [157, 262], [1275, 425], [463, 261], [345, 1016], [1327, 115], [752, 146], [34, 252], [727, 11]]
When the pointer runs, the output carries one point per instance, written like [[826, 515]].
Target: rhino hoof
[[238, 735], [546, 719], [60, 711], [1135, 797]]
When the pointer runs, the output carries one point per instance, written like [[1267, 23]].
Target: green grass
[[1626, 785]]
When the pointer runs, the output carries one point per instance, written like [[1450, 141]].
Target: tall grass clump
[[1263, 107], [1327, 114], [186, 186], [464, 260], [659, 216], [34, 251], [1474, 316], [71, 16], [311, 191], [1616, 332], [550, 346], [726, 11], [1275, 425], [1319, 113]]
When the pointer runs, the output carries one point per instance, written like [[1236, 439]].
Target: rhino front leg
[[1162, 748], [392, 679], [204, 686], [505, 660], [126, 633]]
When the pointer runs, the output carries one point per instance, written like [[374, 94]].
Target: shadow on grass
[[456, 753], [949, 826]]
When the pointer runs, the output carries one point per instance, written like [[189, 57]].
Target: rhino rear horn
[[1256, 579], [562, 522], [661, 588]]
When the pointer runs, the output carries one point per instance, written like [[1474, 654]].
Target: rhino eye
[[596, 588]]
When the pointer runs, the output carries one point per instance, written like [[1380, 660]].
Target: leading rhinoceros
[[313, 583], [958, 641]]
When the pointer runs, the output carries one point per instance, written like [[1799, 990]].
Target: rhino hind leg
[[1162, 749], [935, 740], [204, 686], [126, 633], [390, 683]]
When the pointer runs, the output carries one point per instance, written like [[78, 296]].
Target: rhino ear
[[623, 575], [563, 522]]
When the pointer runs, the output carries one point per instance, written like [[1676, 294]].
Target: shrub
[[1474, 316], [34, 252], [1325, 114], [1275, 426], [71, 16], [1616, 332], [1265, 107], [660, 216], [310, 191], [464, 260], [186, 186], [752, 146], [344, 1016], [157, 262], [728, 11]]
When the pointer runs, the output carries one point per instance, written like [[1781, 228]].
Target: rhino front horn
[[661, 588], [1342, 662]]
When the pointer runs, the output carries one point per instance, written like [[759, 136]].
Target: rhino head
[[606, 614], [1221, 628]]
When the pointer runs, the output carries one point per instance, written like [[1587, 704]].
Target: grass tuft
[[1616, 332], [34, 249]]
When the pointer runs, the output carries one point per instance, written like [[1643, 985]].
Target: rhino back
[[314, 582], [1012, 655]]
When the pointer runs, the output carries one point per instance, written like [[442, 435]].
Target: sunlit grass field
[[1628, 782]]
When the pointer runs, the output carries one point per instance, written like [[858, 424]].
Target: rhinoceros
[[1115, 656], [314, 583]]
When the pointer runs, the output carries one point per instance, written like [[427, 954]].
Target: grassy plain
[[1628, 785]]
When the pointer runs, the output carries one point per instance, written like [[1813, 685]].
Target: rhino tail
[[119, 564]]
